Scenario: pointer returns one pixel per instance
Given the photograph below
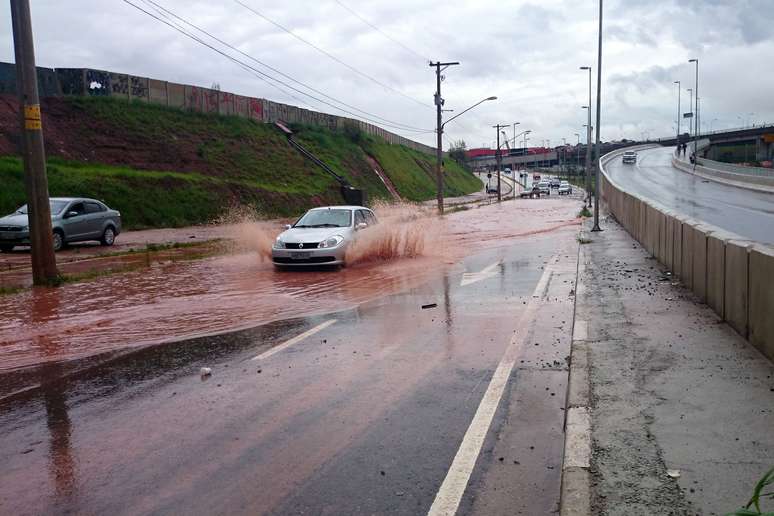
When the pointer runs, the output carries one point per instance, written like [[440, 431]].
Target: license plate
[[300, 256]]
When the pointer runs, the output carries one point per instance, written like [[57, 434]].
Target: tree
[[457, 151]]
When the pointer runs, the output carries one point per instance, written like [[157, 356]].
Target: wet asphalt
[[363, 417], [747, 213]]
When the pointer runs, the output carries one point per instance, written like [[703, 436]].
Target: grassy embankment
[[165, 167]]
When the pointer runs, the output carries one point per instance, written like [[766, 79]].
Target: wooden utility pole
[[439, 131], [35, 181]]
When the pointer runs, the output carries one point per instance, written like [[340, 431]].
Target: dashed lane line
[[294, 340]]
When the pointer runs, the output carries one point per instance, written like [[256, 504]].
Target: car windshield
[[56, 207], [325, 219]]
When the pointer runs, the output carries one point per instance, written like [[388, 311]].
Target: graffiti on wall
[[85, 81]]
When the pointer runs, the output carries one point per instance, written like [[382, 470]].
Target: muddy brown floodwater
[[174, 300]]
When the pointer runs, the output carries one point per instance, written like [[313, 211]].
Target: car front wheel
[[108, 236], [58, 241]]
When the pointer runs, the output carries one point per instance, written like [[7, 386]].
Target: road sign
[[687, 115]]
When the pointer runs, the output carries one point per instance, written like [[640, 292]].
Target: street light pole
[[439, 130], [599, 109], [33, 153], [577, 151], [696, 124], [677, 140], [499, 159]]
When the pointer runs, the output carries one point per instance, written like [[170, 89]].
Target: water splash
[[404, 231]]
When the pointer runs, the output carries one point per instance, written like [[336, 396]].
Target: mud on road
[[171, 300]]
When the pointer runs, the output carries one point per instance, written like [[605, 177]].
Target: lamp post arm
[[465, 111]]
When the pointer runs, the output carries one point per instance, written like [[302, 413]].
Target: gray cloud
[[527, 53]]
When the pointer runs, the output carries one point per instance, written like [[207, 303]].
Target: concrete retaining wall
[[734, 276]]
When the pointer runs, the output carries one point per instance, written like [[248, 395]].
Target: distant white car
[[545, 187], [565, 188], [629, 157]]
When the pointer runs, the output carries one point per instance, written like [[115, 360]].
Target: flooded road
[[358, 404], [175, 300]]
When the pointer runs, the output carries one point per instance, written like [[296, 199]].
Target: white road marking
[[447, 500], [577, 444], [294, 340], [485, 273]]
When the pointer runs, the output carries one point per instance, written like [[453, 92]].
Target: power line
[[380, 31], [329, 55], [261, 74], [164, 12]]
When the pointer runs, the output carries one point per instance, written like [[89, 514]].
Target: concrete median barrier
[[686, 257], [761, 296], [677, 247], [735, 285], [669, 241], [716, 270], [661, 247], [699, 275]]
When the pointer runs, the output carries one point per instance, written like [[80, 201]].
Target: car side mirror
[[288, 226], [70, 214], [361, 225]]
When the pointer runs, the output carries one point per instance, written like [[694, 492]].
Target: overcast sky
[[526, 53]]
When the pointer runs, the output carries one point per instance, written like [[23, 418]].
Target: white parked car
[[321, 236]]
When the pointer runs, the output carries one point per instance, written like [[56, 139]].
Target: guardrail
[[731, 274], [736, 169]]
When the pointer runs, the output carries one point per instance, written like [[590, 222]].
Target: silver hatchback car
[[73, 219], [321, 236]]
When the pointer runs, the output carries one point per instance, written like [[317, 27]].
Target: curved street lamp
[[439, 150]]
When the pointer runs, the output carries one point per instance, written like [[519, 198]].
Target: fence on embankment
[[733, 275], [56, 82]]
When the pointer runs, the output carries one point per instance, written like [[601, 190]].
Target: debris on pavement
[[205, 371], [431, 305]]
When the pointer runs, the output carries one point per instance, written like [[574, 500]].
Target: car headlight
[[279, 244], [25, 228], [331, 242]]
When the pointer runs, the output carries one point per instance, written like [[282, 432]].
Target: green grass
[[761, 492], [179, 168]]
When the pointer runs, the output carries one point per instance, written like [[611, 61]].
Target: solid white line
[[294, 340], [447, 500]]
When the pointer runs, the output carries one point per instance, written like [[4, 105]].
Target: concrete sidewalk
[[681, 407]]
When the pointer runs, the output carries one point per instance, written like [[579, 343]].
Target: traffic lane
[[246, 441], [747, 213]]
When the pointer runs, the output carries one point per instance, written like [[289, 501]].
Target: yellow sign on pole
[[32, 117]]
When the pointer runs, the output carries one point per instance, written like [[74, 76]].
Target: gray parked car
[[72, 219]]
